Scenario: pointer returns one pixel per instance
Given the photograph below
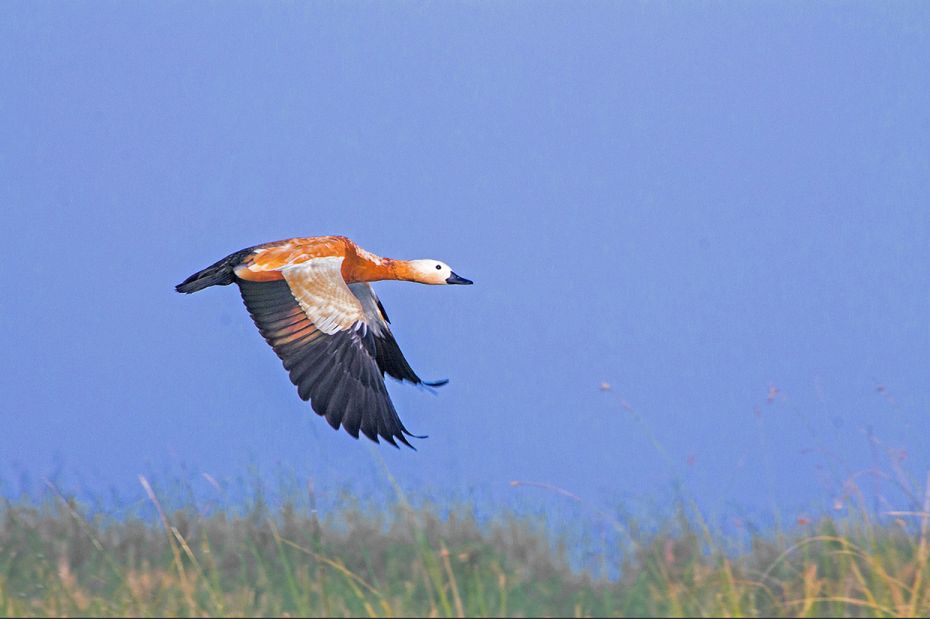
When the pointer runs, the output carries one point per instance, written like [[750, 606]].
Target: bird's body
[[311, 300]]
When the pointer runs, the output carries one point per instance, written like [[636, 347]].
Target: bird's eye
[[439, 267]]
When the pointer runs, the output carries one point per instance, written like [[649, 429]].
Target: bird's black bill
[[455, 279]]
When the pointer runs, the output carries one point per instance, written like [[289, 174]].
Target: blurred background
[[700, 236]]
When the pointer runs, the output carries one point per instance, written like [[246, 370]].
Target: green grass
[[55, 561]]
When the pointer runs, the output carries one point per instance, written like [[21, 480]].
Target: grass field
[[401, 561]]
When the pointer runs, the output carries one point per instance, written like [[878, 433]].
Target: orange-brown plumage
[[268, 259], [311, 300]]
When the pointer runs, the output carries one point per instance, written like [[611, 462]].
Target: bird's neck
[[363, 266]]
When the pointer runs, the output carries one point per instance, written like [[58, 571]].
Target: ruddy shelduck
[[312, 301]]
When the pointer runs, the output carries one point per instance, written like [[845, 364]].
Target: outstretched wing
[[320, 331], [388, 355]]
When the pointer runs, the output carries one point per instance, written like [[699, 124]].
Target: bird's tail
[[219, 273]]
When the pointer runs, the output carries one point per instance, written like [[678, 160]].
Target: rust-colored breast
[[364, 266]]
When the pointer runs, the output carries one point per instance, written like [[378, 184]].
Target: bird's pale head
[[433, 272]]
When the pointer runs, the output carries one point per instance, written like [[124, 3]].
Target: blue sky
[[693, 202]]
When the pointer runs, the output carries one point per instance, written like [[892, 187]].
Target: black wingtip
[[432, 386], [371, 437]]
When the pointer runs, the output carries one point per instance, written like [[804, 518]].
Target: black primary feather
[[339, 373]]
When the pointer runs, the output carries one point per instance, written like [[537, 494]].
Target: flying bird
[[312, 301]]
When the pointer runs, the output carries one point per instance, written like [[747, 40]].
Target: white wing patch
[[366, 296], [318, 287]]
